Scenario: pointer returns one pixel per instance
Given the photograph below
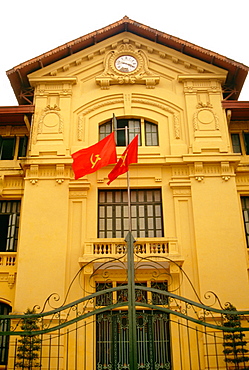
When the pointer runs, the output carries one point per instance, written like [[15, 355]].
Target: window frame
[[4, 340], [153, 333], [245, 214], [243, 145], [10, 211], [18, 149], [142, 131], [146, 213]]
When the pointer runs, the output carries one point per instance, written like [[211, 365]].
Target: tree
[[29, 345], [234, 343]]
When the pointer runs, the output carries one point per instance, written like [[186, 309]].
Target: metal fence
[[172, 332]]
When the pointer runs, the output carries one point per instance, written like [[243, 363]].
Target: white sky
[[29, 28]]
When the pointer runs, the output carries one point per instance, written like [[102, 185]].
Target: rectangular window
[[236, 143], [151, 134], [153, 340], [13, 147], [23, 145], [9, 225], [133, 130], [246, 142], [245, 210], [4, 340], [7, 148], [146, 213]]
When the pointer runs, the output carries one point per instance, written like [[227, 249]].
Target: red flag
[[94, 157], [129, 156]]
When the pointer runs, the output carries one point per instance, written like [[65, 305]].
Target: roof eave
[[237, 72]]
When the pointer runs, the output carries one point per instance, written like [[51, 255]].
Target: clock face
[[126, 63]]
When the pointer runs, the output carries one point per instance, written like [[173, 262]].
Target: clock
[[126, 63]]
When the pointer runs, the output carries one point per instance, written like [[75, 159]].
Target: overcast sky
[[30, 28]]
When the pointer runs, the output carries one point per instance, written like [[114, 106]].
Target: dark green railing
[[144, 328]]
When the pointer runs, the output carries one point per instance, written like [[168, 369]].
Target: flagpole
[[128, 183], [131, 281]]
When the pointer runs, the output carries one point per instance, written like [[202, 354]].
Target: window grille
[[153, 340], [157, 298], [103, 299]]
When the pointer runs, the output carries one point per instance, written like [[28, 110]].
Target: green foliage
[[235, 350], [29, 345]]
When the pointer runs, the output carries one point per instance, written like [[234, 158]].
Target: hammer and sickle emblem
[[123, 157], [97, 158]]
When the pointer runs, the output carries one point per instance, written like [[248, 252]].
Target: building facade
[[64, 238]]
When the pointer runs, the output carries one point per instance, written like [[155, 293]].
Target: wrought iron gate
[[125, 327], [179, 334], [153, 340]]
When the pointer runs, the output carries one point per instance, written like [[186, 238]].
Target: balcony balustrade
[[7, 259], [157, 247]]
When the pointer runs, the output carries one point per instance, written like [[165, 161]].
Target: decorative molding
[[225, 171], [182, 190], [154, 103], [176, 116], [52, 83], [33, 173], [209, 83], [198, 170], [176, 126], [102, 104], [79, 189], [180, 172], [53, 126], [58, 172], [205, 119], [180, 187], [12, 185], [11, 280], [1, 183], [81, 127], [141, 75], [242, 179]]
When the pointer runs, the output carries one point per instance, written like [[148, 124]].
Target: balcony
[[8, 268], [7, 261], [115, 248]]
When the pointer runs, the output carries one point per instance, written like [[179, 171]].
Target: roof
[[15, 115], [237, 72], [239, 109]]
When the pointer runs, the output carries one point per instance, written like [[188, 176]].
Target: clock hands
[[126, 63]]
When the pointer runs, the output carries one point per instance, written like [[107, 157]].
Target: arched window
[[147, 131], [4, 340]]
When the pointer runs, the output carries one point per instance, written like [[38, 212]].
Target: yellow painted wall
[[192, 165]]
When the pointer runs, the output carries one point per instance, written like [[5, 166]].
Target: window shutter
[[23, 144]]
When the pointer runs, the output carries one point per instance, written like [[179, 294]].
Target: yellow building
[[62, 239]]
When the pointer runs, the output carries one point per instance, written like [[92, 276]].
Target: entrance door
[[153, 340]]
